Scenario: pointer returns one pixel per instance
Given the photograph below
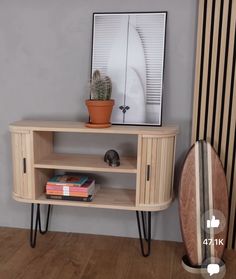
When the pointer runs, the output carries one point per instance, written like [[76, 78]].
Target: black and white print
[[129, 48]]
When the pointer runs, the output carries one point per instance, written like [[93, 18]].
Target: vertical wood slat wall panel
[[229, 77], [197, 63], [214, 116], [212, 75], [206, 64], [220, 78]]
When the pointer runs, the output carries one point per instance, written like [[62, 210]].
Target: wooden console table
[[35, 161]]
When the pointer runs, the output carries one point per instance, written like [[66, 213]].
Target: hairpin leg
[[47, 221], [34, 228], [146, 228], [144, 222], [33, 232]]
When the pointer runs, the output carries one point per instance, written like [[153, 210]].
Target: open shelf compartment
[[105, 197], [46, 158]]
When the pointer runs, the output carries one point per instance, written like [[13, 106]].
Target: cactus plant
[[101, 87], [100, 104]]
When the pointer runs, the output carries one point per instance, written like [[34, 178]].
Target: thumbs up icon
[[213, 223]]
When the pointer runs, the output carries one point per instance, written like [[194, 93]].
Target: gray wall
[[44, 71]]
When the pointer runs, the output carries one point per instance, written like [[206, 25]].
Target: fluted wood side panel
[[21, 165], [214, 108], [156, 175]]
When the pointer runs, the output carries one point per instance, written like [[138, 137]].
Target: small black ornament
[[112, 158]]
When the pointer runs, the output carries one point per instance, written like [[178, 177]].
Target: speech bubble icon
[[213, 269]]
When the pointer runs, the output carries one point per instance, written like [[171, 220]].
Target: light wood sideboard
[[35, 161]]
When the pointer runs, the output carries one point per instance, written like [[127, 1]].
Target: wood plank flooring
[[83, 256]]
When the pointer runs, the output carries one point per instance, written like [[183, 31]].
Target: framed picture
[[130, 48]]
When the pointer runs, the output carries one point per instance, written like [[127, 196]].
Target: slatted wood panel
[[21, 165], [214, 109], [156, 175]]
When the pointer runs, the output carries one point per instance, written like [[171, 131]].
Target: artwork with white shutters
[[129, 48]]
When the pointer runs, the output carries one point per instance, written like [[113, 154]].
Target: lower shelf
[[109, 198], [104, 198]]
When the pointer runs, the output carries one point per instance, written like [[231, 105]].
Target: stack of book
[[70, 187]]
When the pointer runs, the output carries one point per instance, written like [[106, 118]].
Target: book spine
[[64, 184], [63, 193], [69, 198], [84, 184], [71, 188]]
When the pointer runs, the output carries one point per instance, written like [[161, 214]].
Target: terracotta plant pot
[[99, 112]]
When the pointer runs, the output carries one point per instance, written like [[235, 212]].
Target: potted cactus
[[100, 105]]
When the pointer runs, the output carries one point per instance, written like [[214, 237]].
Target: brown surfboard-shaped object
[[203, 204]]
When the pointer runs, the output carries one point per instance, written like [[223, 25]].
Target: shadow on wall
[[181, 140]]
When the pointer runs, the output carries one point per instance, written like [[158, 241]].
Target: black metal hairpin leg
[[47, 221], [146, 228], [33, 232], [34, 229], [144, 222]]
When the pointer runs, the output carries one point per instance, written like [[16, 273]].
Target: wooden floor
[[80, 256]]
